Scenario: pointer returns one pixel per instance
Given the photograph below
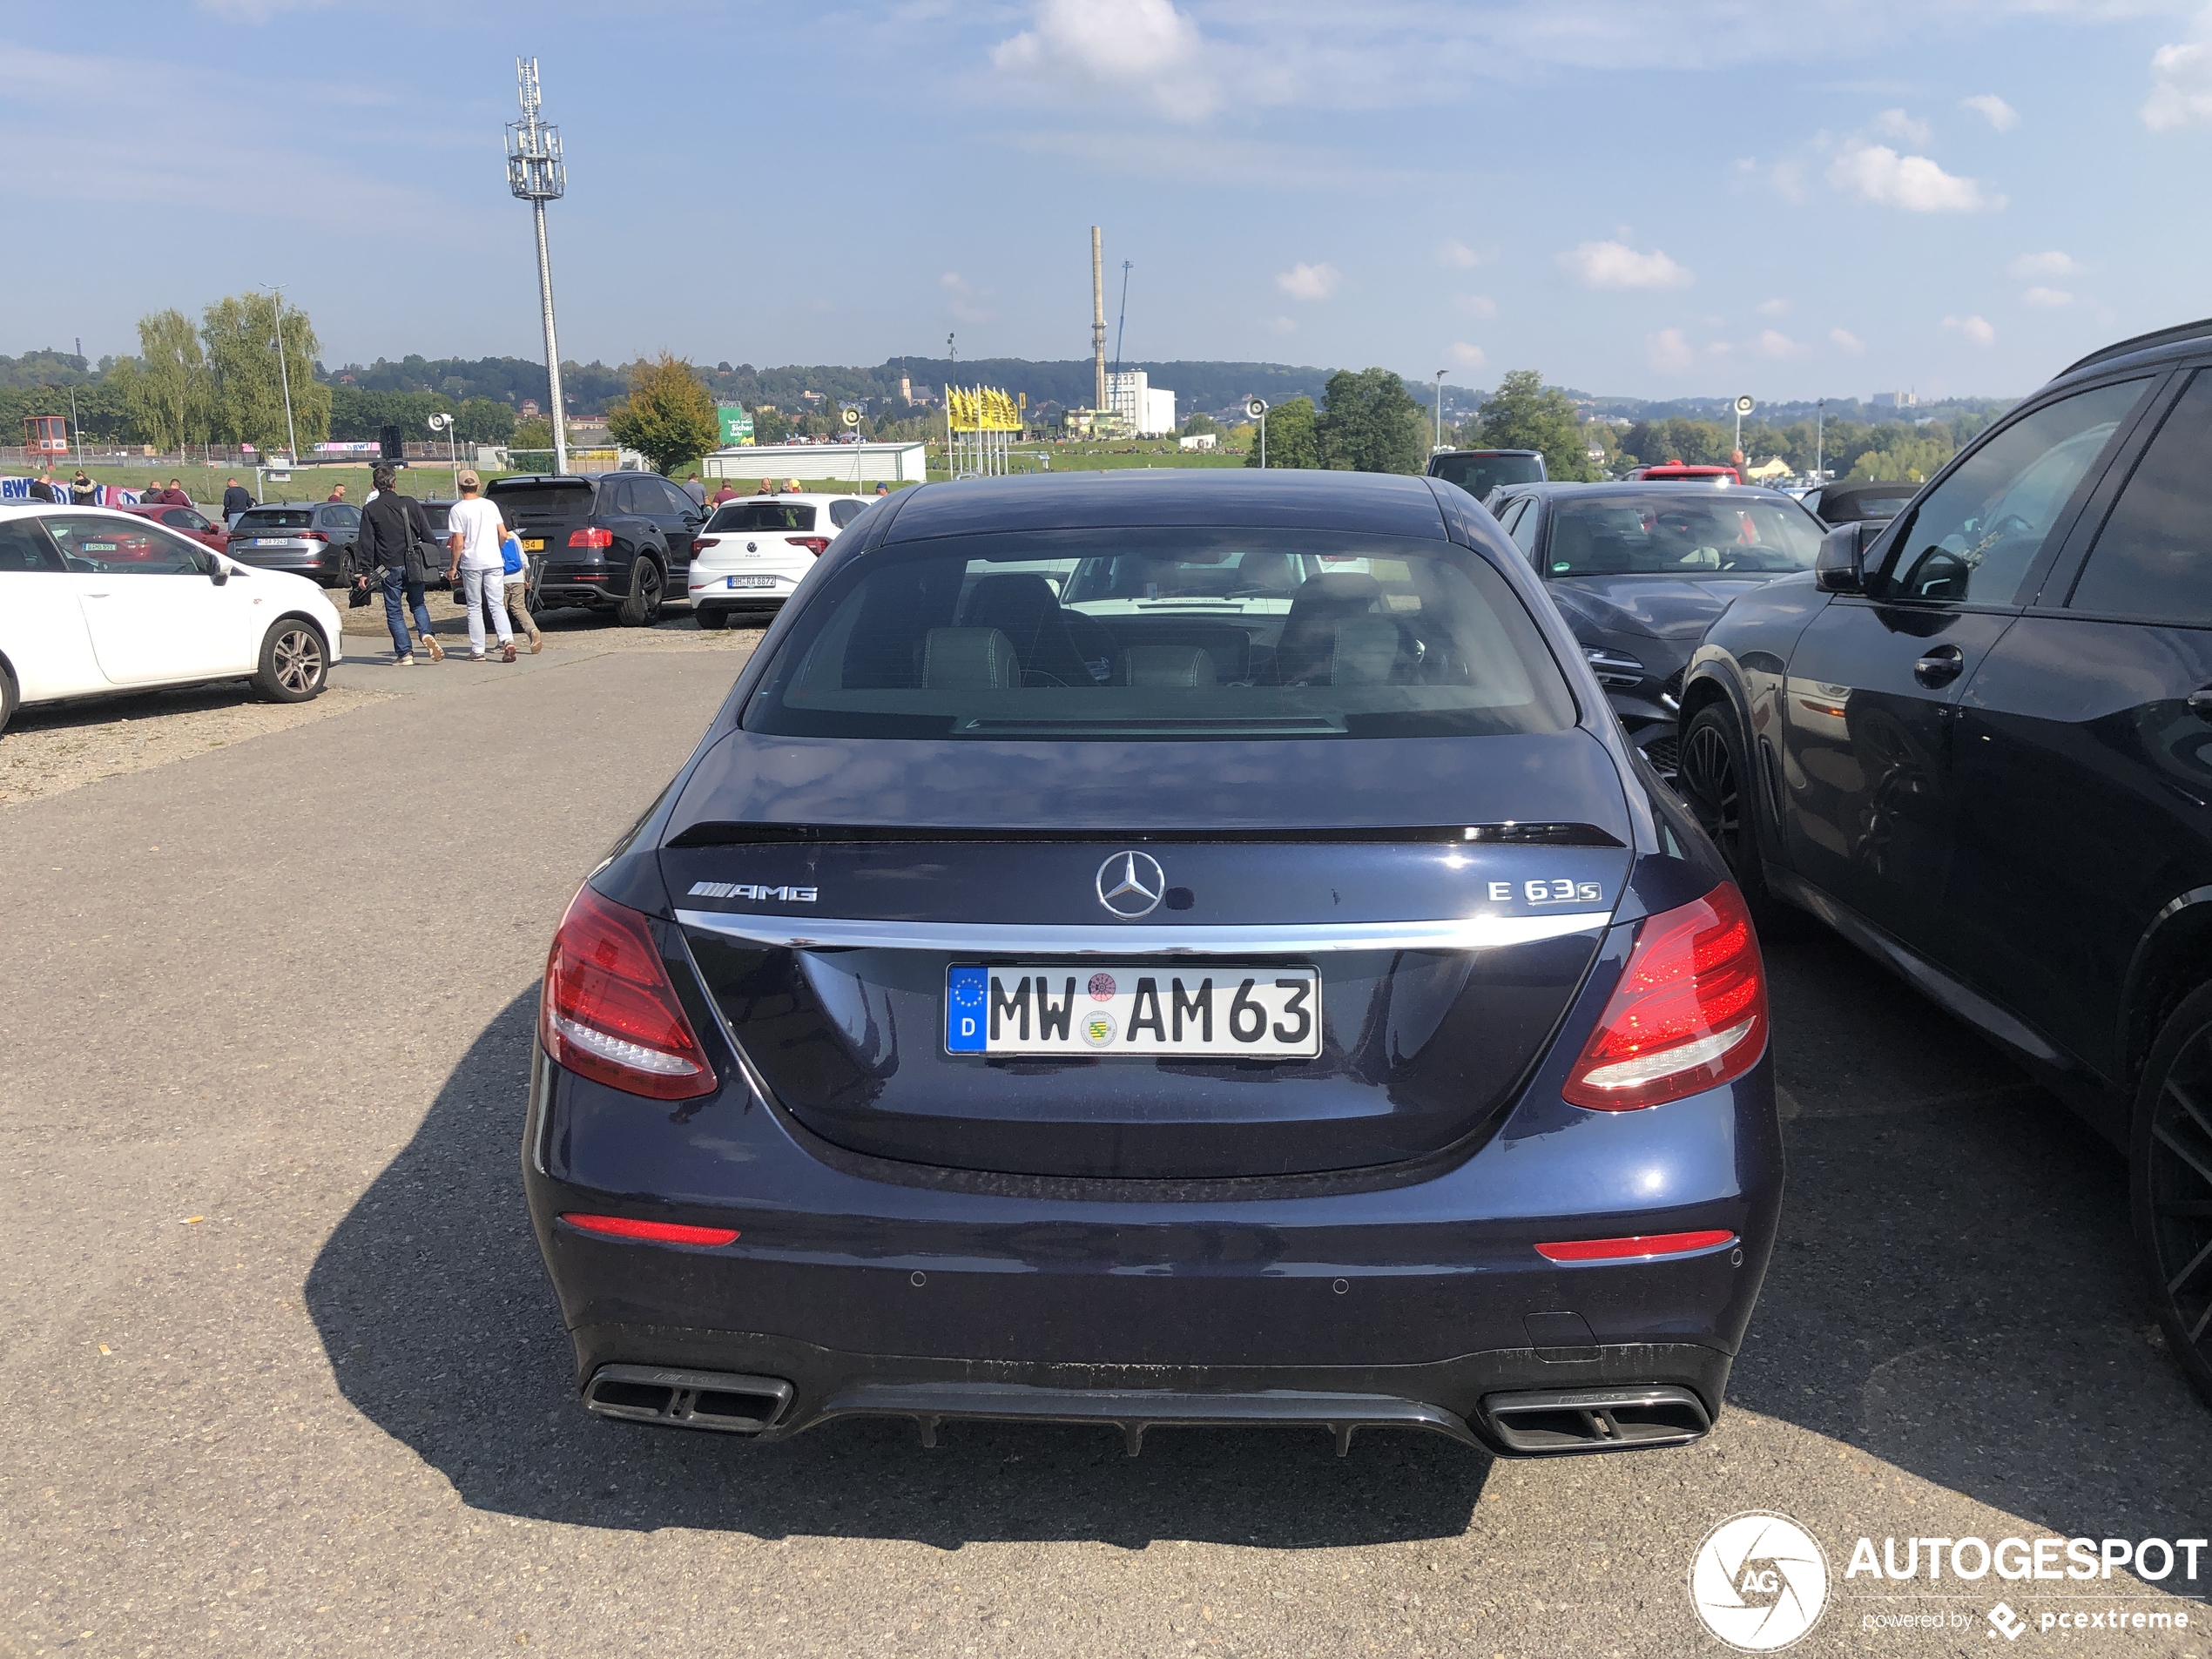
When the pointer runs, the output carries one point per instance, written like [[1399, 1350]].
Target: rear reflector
[[1639, 1249], [592, 537], [658, 1232], [609, 1010], [1688, 1013]]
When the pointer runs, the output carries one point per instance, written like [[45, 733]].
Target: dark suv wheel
[[2171, 1171], [1713, 774], [641, 605]]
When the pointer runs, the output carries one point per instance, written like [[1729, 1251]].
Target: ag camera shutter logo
[[1759, 1582]]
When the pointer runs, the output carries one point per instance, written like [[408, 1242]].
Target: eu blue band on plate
[[965, 991]]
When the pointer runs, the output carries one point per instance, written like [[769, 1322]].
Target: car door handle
[[1941, 666], [2201, 702]]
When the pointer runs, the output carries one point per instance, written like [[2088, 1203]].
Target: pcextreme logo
[[1759, 1582]]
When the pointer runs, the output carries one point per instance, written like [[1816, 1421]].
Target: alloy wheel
[[2178, 1174], [1707, 770], [298, 661]]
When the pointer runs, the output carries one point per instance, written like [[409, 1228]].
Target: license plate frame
[[533, 543], [1180, 1010], [748, 583]]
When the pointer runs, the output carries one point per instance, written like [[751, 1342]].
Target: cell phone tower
[[536, 174]]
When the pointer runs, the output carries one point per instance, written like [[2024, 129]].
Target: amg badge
[[742, 890]]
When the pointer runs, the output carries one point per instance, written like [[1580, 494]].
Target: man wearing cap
[[477, 532]]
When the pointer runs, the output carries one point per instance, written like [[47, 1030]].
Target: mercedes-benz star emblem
[[1131, 885]]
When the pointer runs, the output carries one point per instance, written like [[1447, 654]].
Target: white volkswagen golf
[[94, 602]]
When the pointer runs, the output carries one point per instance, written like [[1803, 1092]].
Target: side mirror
[[218, 572], [1839, 567]]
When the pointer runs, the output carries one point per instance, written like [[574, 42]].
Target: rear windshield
[[542, 500], [1480, 475], [763, 516], [276, 518], [1844, 509], [1174, 634], [1674, 532]]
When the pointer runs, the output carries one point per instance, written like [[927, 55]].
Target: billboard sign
[[737, 425]]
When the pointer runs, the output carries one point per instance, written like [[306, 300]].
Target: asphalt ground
[[283, 1374]]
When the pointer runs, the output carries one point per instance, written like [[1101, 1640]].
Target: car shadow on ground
[[1953, 1292], [441, 1329]]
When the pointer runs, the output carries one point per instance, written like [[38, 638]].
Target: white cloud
[[1311, 281], [2053, 264], [1975, 328], [1876, 173], [1788, 179], [1775, 308], [1615, 265], [2046, 299], [1469, 356], [1459, 256], [1844, 339], [2181, 83], [1142, 48], [1993, 109], [1721, 348], [1668, 352], [1773, 343], [962, 299], [1278, 324], [1476, 304], [1896, 124]]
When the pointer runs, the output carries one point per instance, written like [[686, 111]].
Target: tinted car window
[[23, 549], [764, 514], [1675, 532], [675, 503], [544, 500], [843, 512], [341, 517], [119, 547], [1979, 529], [275, 518], [2153, 558], [1177, 634], [1524, 527], [1847, 508], [1480, 475]]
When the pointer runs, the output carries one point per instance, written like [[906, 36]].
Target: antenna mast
[[536, 174]]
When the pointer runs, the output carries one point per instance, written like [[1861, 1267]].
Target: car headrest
[[1366, 650], [969, 659], [1171, 665]]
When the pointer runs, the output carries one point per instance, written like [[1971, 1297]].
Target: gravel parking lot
[[286, 1375]]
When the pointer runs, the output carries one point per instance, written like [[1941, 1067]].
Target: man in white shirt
[[477, 535]]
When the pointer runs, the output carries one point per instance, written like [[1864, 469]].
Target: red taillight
[[658, 1232], [609, 1012], [706, 541], [313, 535], [591, 537], [1688, 1013], [814, 544], [1642, 1248]]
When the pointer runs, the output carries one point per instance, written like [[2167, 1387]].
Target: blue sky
[[1696, 199]]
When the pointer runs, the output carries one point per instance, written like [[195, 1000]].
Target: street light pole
[[284, 377], [537, 174], [1439, 409], [1820, 442], [1256, 407], [443, 422]]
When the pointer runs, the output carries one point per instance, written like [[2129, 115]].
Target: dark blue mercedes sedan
[[1162, 948]]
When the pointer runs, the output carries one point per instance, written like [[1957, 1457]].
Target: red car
[[187, 520], [1680, 472]]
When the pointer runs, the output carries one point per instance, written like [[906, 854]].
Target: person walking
[[337, 493], [696, 490], [722, 495], [389, 552], [236, 499], [477, 566], [518, 594]]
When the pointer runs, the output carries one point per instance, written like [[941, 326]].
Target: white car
[[755, 549], [94, 602]]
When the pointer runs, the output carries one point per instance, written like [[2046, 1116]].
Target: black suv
[[1481, 471], [1977, 741], [612, 541]]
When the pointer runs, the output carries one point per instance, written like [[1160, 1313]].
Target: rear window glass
[[1678, 533], [1480, 475], [276, 518], [768, 514], [843, 512], [527, 500], [1173, 634]]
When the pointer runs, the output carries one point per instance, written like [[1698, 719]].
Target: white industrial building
[[1150, 411], [859, 463]]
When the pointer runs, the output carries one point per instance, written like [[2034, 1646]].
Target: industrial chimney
[[1098, 316]]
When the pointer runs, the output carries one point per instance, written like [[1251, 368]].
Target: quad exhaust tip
[[1549, 1421], [708, 1400]]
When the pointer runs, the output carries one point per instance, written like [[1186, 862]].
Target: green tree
[[1525, 415], [241, 332], [484, 420], [1292, 439], [772, 425], [667, 416], [1915, 459], [168, 393], [1199, 425], [534, 432], [1371, 424]]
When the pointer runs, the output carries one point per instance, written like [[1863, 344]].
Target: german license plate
[[533, 543], [1218, 1010], [752, 582]]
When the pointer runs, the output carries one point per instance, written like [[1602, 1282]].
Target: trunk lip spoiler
[[1490, 932]]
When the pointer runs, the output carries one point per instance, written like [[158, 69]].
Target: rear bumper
[[322, 565]]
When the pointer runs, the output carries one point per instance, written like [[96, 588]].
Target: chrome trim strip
[[1466, 933]]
